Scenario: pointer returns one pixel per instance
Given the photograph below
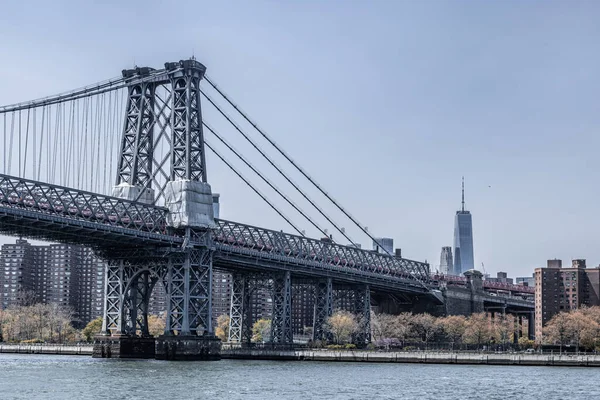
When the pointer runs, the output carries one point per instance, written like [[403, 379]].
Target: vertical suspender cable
[[10, 146], [41, 142], [20, 144], [34, 144]]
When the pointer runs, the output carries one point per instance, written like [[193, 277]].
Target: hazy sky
[[386, 103]]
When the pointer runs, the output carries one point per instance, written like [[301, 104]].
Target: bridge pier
[[281, 324], [362, 310], [240, 325], [323, 308]]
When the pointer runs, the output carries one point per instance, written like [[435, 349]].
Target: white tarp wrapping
[[129, 192], [190, 203]]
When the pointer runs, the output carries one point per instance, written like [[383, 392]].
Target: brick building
[[68, 275], [560, 289]]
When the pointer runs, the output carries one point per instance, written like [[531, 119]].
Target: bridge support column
[[189, 287], [125, 325], [362, 308], [323, 308], [240, 323], [281, 324], [531, 325]]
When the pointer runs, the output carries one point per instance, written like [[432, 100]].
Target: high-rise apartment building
[[68, 275], [16, 273], [563, 289], [463, 239], [446, 262]]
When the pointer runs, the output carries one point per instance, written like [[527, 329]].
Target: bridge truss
[[163, 142]]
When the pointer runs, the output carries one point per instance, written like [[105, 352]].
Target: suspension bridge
[[120, 166]]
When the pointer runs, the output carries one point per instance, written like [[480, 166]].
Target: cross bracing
[[66, 140]]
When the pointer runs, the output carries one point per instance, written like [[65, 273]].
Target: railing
[[486, 284], [25, 194], [232, 234], [79, 205], [508, 286]]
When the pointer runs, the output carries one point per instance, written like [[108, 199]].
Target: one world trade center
[[463, 238]]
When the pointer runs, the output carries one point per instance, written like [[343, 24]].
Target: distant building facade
[[383, 245], [526, 280], [501, 277], [68, 275], [463, 239], [560, 289], [446, 261]]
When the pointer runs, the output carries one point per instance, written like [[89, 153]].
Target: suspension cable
[[290, 181], [249, 165], [253, 188], [291, 161]]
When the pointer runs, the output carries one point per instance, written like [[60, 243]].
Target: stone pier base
[[188, 348], [123, 347]]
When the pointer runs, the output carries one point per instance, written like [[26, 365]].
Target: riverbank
[[420, 357], [407, 357], [71, 350]]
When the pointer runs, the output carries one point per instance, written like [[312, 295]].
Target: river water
[[79, 377]]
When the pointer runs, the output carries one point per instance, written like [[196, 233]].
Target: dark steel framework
[[163, 106]]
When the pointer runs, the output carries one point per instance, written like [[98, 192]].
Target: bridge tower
[[165, 109]]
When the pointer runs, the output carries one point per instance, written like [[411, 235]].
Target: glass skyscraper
[[463, 239]]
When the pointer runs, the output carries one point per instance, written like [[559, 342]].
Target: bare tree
[[559, 329], [341, 325]]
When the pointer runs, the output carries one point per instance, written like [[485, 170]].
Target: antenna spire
[[463, 193]]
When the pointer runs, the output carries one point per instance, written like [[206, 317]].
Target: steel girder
[[281, 323], [235, 237], [362, 310], [187, 157], [135, 163], [188, 285], [128, 286], [19, 193], [174, 119], [240, 323], [323, 308]]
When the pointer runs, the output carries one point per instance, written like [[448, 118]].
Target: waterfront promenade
[[418, 357]]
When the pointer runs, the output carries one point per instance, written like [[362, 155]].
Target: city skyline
[[513, 112]]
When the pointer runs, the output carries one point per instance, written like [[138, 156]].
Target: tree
[[454, 327], [341, 325], [526, 343], [261, 331], [504, 328], [222, 330], [590, 335], [384, 328], [559, 329], [156, 324], [426, 326], [478, 329], [582, 327], [404, 326], [92, 328]]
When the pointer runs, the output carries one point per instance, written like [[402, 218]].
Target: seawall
[[418, 357], [73, 350]]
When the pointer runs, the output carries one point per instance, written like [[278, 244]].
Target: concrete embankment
[[76, 350], [417, 357]]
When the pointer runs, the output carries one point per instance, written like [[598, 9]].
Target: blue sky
[[386, 103]]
